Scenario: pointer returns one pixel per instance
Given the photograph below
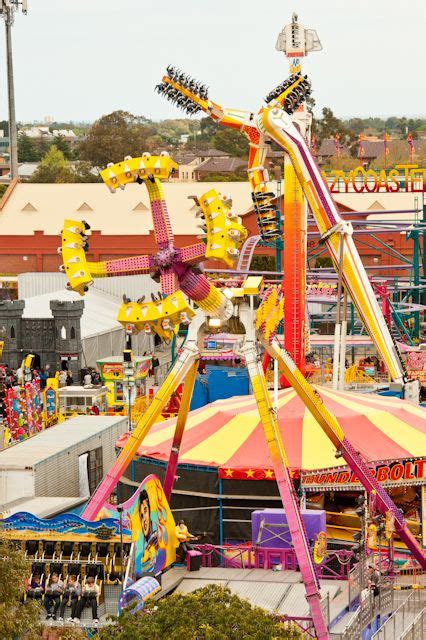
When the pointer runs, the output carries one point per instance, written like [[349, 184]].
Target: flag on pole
[[314, 145], [361, 150], [337, 145], [386, 139], [411, 145]]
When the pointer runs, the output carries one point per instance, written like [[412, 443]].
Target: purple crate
[[274, 535]]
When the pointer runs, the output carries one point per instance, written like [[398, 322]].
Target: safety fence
[[335, 567], [416, 630], [369, 608], [412, 577], [406, 620]]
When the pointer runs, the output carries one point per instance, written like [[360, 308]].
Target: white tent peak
[[140, 207], [29, 207], [85, 207]]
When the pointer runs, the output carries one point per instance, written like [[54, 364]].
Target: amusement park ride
[[178, 272]]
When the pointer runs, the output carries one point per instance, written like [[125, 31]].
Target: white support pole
[[337, 329], [276, 383], [343, 334], [336, 356]]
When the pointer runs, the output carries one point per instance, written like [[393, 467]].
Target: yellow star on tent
[[250, 473], [269, 473], [228, 473]]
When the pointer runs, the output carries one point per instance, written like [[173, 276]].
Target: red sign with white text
[[404, 472]]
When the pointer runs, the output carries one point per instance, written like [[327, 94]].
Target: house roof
[[189, 155], [372, 148], [29, 207], [328, 148], [210, 153], [221, 165]]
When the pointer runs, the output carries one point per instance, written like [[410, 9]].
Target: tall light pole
[[7, 9]]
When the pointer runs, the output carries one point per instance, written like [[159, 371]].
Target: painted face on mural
[[145, 513]]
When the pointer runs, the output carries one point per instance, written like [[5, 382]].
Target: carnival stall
[[76, 400], [24, 410], [112, 376], [223, 448]]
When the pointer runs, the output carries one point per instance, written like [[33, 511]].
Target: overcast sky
[[79, 59]]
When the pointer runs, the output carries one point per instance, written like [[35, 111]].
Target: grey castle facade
[[52, 340]]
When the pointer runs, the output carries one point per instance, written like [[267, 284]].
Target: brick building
[[31, 218]]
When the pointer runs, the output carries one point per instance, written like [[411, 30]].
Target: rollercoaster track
[[247, 251]]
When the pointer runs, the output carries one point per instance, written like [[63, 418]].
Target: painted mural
[[147, 515]]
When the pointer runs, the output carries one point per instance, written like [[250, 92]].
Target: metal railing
[[355, 583], [369, 608], [404, 615], [335, 567], [325, 607], [233, 557], [416, 630], [352, 631]]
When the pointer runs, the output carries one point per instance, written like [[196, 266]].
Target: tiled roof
[[221, 165], [372, 148], [328, 148]]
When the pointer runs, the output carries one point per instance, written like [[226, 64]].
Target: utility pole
[[7, 9]]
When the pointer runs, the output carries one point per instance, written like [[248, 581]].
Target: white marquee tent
[[102, 336]]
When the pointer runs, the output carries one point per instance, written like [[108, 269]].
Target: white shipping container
[[47, 465]]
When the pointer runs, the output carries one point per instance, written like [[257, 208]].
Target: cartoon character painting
[[147, 514]]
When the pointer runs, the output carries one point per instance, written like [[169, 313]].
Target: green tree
[[53, 168], [210, 613], [27, 151], [84, 172], [42, 145], [17, 620], [233, 142], [330, 125], [399, 153], [64, 146], [231, 176], [115, 136]]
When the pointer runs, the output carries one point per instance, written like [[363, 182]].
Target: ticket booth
[[78, 400]]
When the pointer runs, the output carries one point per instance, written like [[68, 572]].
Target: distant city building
[[40, 132], [4, 145], [25, 171]]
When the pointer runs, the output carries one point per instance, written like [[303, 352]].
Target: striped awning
[[228, 434]]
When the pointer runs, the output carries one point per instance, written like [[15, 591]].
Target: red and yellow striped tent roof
[[228, 434]]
